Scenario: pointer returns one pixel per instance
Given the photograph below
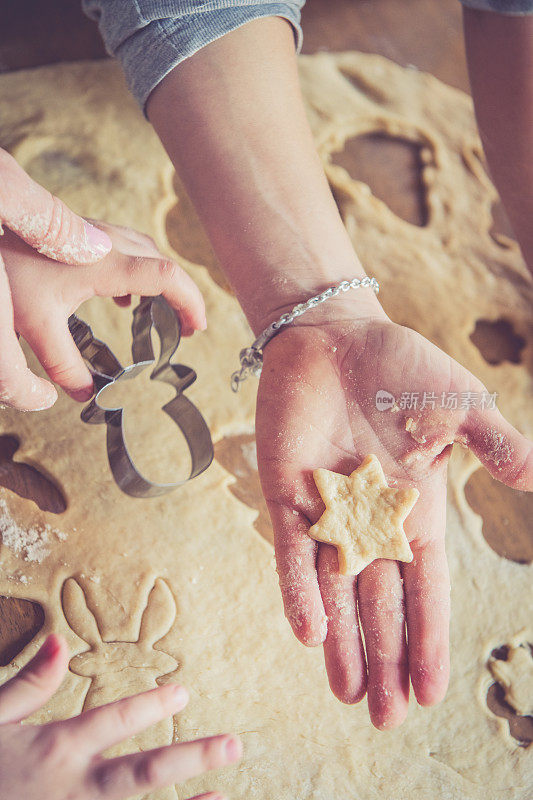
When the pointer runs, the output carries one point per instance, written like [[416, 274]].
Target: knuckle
[[126, 717], [52, 235], [63, 373], [168, 270], [104, 775], [385, 664], [132, 266], [53, 745], [211, 754], [147, 771], [33, 679]]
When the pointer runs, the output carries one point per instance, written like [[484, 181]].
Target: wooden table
[[423, 33]]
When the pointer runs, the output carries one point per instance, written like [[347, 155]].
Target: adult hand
[[44, 221], [316, 408], [62, 760], [37, 295]]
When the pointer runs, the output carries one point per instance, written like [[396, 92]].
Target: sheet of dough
[[74, 128]]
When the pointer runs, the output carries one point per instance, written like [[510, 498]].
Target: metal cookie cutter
[[152, 312]]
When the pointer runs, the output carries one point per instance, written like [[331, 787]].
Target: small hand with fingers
[[51, 261], [317, 408], [63, 760]]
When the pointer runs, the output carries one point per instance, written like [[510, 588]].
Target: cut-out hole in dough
[[59, 169], [392, 167], [520, 727], [506, 515], [237, 454], [20, 621], [497, 341], [27, 481], [365, 87]]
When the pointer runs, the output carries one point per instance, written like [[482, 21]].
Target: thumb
[[44, 221], [35, 683], [502, 450]]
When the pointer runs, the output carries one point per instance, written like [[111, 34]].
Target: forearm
[[232, 120], [500, 61]]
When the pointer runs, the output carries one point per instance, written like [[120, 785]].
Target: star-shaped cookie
[[363, 517]]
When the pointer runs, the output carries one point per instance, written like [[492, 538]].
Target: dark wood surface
[[423, 33]]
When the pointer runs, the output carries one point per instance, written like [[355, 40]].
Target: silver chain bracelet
[[251, 358]]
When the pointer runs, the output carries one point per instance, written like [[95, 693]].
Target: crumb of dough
[[499, 450], [18, 577], [411, 426]]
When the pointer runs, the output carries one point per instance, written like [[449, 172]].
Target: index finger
[[121, 274], [298, 580], [138, 773], [100, 728]]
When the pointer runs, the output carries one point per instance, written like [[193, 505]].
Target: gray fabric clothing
[[515, 8], [150, 37]]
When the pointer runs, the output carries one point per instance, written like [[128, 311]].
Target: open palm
[[317, 408]]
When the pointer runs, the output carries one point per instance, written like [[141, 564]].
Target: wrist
[[353, 304], [341, 320]]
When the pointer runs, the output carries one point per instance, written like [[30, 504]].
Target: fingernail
[[203, 324], [180, 695], [233, 748], [47, 391], [82, 395], [49, 648], [97, 239]]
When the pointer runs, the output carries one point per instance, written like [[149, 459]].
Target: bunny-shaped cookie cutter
[[152, 312]]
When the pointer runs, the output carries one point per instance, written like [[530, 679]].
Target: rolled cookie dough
[[221, 620]]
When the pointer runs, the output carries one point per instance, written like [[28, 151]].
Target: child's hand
[[316, 408], [63, 760], [37, 295]]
